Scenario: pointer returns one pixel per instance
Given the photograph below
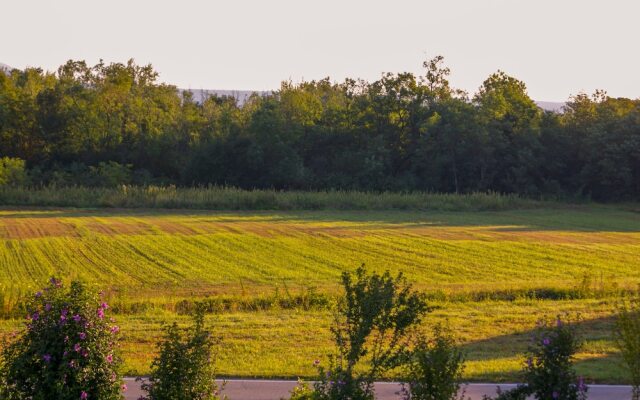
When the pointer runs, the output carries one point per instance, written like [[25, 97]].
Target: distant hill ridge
[[243, 95]]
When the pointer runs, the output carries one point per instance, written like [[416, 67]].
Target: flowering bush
[[184, 369], [549, 372], [67, 351], [434, 368], [373, 321]]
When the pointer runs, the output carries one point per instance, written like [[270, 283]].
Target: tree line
[[112, 124]]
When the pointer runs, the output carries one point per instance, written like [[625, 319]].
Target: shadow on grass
[[580, 219], [603, 368]]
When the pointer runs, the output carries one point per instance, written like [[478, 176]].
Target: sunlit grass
[[149, 261]]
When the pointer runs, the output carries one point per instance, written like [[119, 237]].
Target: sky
[[557, 47]]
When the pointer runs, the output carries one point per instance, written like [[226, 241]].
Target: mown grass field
[[483, 270]]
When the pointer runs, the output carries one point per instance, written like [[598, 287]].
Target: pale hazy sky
[[558, 47]]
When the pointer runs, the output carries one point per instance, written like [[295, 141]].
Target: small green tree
[[627, 334], [434, 368], [184, 369], [371, 329], [67, 352]]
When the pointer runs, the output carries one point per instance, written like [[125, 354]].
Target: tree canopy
[[111, 124]]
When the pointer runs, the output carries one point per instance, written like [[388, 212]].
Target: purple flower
[[115, 329], [35, 316], [47, 307], [76, 318], [100, 313], [72, 363], [38, 294], [85, 353], [47, 358], [77, 347], [104, 306], [546, 341], [83, 395], [582, 388], [82, 335], [555, 395]]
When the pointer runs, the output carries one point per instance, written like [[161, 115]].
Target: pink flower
[[100, 313], [77, 347], [115, 329], [82, 335], [104, 306], [83, 395], [123, 387], [110, 358]]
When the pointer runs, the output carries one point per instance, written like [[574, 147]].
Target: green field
[[491, 274]]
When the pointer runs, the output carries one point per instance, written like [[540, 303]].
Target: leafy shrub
[[372, 325], [303, 392], [627, 334], [549, 372], [434, 368], [67, 351], [184, 369], [12, 172]]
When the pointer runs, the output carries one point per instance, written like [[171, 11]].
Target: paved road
[[276, 390]]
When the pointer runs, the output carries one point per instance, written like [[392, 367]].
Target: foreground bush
[[549, 372], [67, 351], [372, 326], [434, 368], [184, 369], [627, 334]]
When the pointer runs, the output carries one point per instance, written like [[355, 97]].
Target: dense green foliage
[[66, 351], [184, 368], [113, 124], [434, 368], [627, 334]]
